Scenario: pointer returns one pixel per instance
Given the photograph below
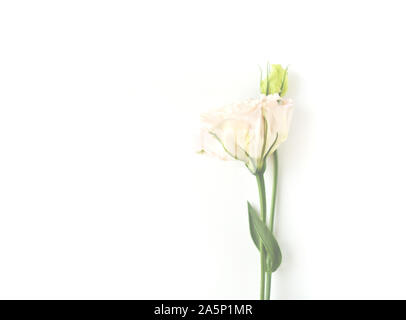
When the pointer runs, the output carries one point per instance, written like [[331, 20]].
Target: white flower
[[247, 131]]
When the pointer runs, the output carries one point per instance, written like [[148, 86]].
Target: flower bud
[[276, 81]]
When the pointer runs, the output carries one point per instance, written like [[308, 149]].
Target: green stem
[[268, 285], [271, 220], [262, 201], [268, 278]]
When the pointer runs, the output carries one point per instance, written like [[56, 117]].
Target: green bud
[[276, 80]]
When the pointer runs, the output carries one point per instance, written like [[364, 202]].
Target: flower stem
[[262, 201], [271, 220]]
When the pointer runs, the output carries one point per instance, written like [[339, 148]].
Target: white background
[[103, 196]]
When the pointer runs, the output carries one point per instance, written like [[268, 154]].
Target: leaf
[[254, 234], [255, 237], [260, 232]]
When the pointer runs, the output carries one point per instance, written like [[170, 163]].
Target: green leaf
[[255, 237], [254, 234], [260, 233]]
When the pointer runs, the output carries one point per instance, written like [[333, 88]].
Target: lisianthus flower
[[248, 131]]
